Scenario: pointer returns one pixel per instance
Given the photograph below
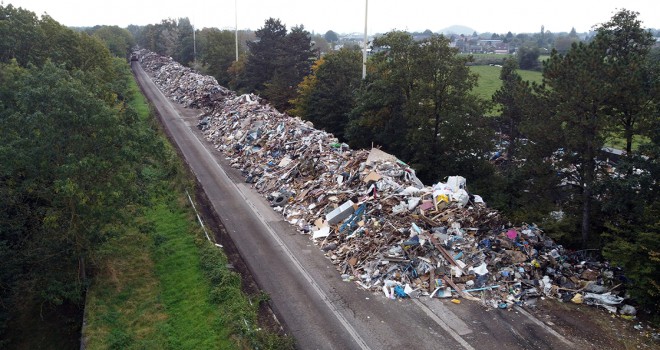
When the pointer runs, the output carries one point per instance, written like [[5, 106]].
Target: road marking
[[349, 328], [544, 326], [446, 315], [444, 325]]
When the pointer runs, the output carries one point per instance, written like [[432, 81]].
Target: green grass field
[[489, 79]]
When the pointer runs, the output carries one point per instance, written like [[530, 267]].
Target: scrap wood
[[459, 290], [444, 253], [428, 221]]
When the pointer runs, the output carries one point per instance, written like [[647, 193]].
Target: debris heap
[[374, 219]]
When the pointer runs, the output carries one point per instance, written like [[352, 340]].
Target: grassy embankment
[[163, 285]]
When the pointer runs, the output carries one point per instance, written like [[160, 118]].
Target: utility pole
[[194, 48], [236, 28], [364, 50]]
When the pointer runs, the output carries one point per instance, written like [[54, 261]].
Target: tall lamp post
[[236, 26], [194, 48], [364, 49]]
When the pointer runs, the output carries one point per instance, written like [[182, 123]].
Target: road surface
[[307, 294]]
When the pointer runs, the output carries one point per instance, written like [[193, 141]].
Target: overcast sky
[[345, 16]]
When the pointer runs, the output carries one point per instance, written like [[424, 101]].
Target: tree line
[[541, 160], [70, 160]]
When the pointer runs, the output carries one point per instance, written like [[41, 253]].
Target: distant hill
[[456, 29]]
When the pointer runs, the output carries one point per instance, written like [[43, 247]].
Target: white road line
[[349, 328], [544, 326], [442, 324]]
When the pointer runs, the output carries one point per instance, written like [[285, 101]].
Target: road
[[307, 294]]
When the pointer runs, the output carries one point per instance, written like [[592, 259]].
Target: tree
[[69, 164], [446, 124], [320, 46], [418, 105], [577, 89], [524, 190], [564, 43], [528, 57], [184, 52], [216, 53], [632, 75], [508, 38], [118, 40], [513, 98], [327, 96], [263, 53], [63, 44], [630, 201], [21, 36], [292, 65], [379, 115], [67, 175], [331, 36], [631, 206], [277, 63], [161, 38]]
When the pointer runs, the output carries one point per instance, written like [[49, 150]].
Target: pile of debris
[[374, 219]]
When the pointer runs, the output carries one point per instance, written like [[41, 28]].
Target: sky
[[347, 16]]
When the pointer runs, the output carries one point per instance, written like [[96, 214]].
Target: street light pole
[[364, 50], [194, 48], [236, 28]]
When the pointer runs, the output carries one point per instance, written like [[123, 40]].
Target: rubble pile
[[374, 219], [182, 84]]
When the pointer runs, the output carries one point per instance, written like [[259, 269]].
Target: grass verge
[[161, 284]]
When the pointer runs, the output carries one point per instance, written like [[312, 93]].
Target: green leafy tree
[[379, 115], [184, 51], [69, 160], [327, 96], [631, 206], [320, 46], [416, 102], [21, 36], [594, 90], [524, 190], [630, 201], [69, 165], [331, 36], [292, 65], [161, 38], [216, 53], [633, 76], [513, 99], [119, 41], [446, 124], [277, 63], [62, 44], [302, 103], [508, 38], [528, 57], [263, 54], [564, 43], [576, 93]]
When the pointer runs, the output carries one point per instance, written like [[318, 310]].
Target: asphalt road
[[307, 294]]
